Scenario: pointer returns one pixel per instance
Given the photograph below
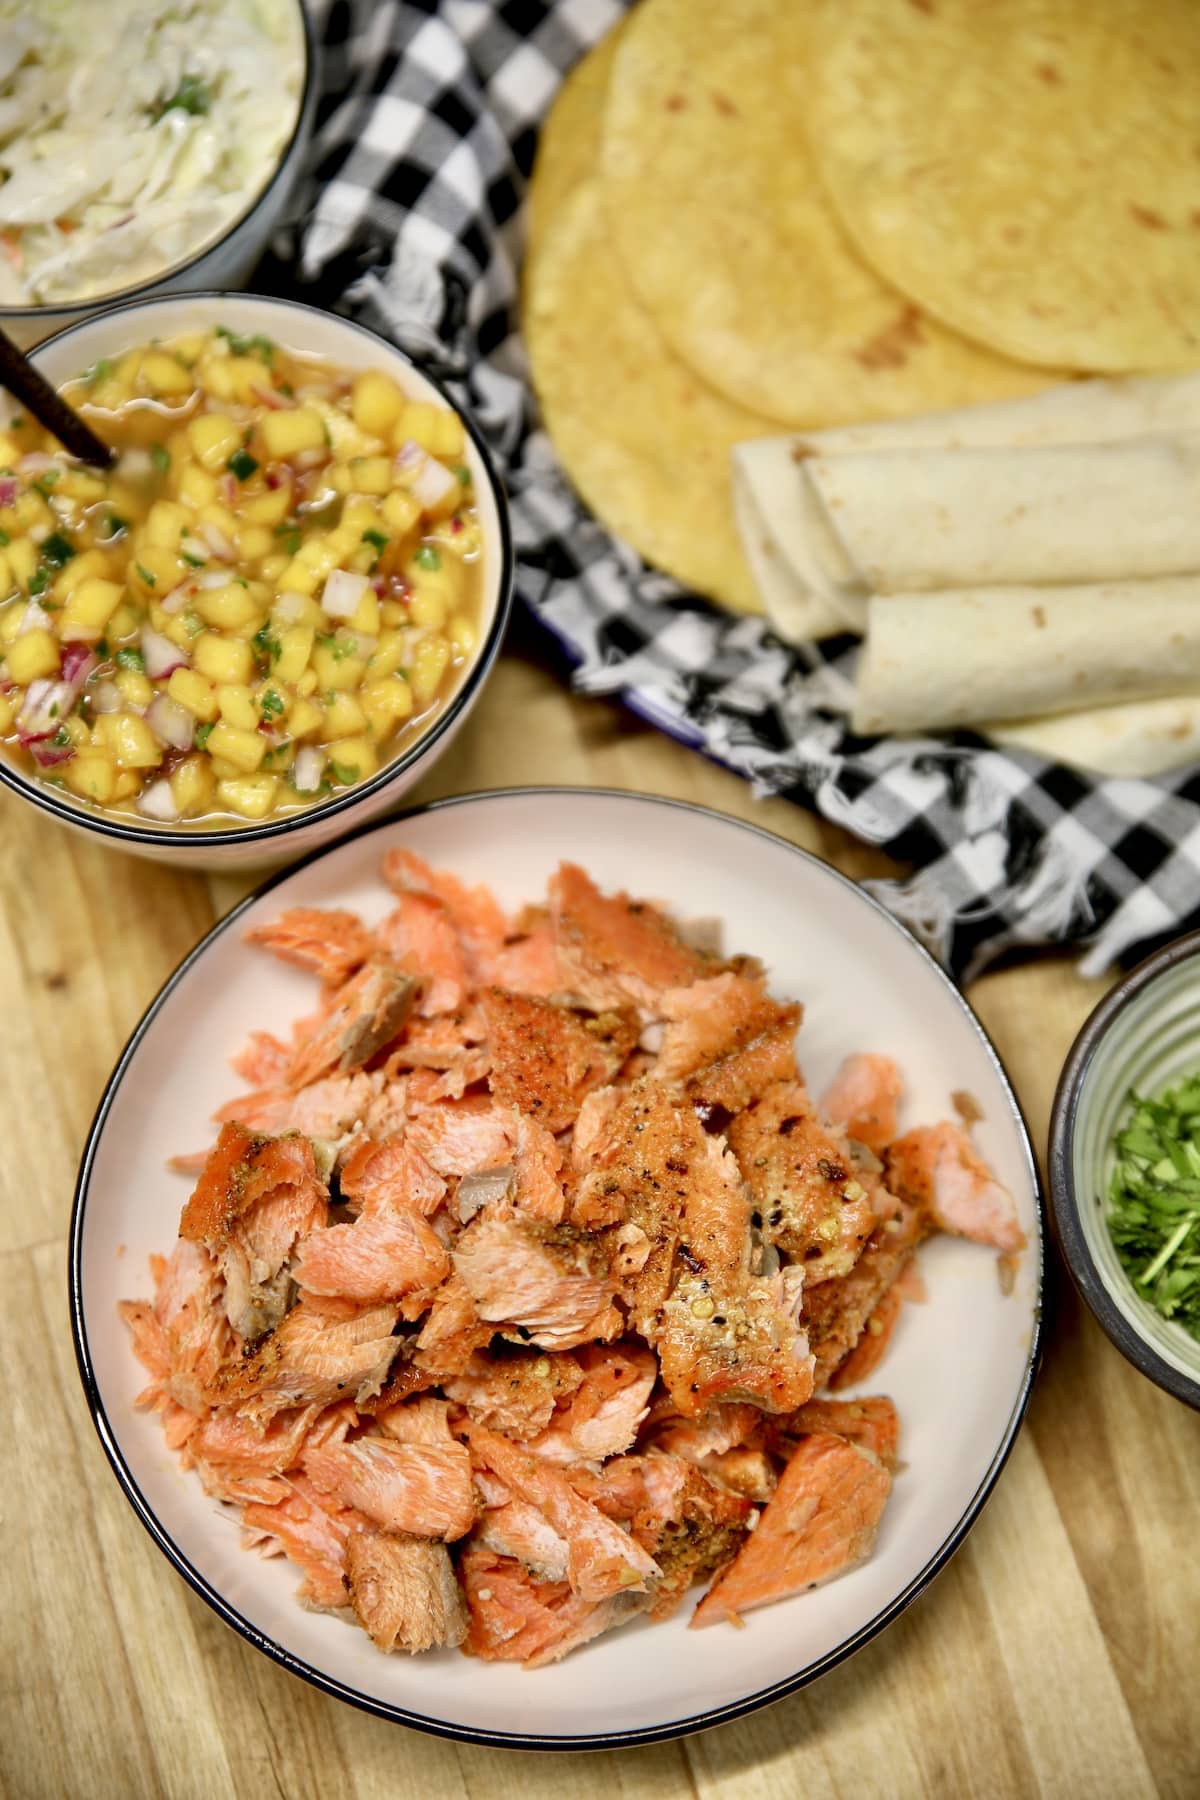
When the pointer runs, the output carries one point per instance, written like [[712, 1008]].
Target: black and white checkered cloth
[[412, 222]]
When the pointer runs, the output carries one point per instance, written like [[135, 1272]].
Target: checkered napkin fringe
[[411, 222]]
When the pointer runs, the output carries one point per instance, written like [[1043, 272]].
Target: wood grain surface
[[1056, 1655]]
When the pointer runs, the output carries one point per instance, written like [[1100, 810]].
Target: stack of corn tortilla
[[763, 226]]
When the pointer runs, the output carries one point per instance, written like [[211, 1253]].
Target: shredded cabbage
[[132, 134]]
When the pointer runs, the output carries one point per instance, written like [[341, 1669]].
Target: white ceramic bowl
[[222, 262], [959, 1368], [352, 347], [1144, 1035]]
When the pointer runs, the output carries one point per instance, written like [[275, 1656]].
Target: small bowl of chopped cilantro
[[1125, 1166]]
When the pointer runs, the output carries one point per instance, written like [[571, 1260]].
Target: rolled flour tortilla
[[780, 504], [1135, 738], [974, 656]]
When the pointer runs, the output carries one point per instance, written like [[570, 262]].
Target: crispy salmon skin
[[528, 1286]]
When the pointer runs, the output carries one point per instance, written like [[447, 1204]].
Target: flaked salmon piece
[[528, 964], [515, 1391], [452, 1332], [232, 1443], [863, 1097], [938, 1168], [742, 1470], [730, 1084], [423, 1490], [255, 1198], [712, 1019], [421, 1420], [329, 944], [871, 1347], [836, 1312], [591, 1124], [324, 1109], [547, 1056], [613, 945], [514, 1528], [549, 1283], [262, 1061], [364, 1014], [871, 1422], [232, 1489], [537, 1161], [150, 1342], [427, 1086], [459, 1137], [602, 1559], [437, 1043], [310, 1358], [687, 1522], [514, 1618], [474, 912], [820, 1521], [609, 1404], [803, 1183], [310, 1534], [381, 1256], [419, 937], [390, 1177], [715, 1431], [188, 1307], [404, 1592]]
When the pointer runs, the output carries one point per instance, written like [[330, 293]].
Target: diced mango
[[288, 432], [375, 403], [400, 512], [337, 671], [193, 786], [254, 541], [196, 486], [371, 474], [154, 570], [388, 657], [22, 561], [163, 374], [245, 749], [386, 703], [223, 659], [305, 719], [33, 655], [165, 523], [236, 704], [343, 717], [430, 660], [253, 796], [462, 633], [295, 648], [365, 617], [91, 775], [226, 608], [92, 563], [89, 610], [130, 740], [352, 758], [134, 688], [214, 437], [8, 713], [270, 508], [192, 690], [428, 608]]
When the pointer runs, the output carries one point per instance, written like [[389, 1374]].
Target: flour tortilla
[[780, 504], [644, 441], [1136, 740], [716, 212], [1025, 170], [973, 657]]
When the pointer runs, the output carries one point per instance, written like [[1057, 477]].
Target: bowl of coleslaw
[[146, 147]]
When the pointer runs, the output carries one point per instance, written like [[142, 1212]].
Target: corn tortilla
[[1028, 171], [569, 142], [712, 201]]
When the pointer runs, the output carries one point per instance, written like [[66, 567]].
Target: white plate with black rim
[[959, 1369]]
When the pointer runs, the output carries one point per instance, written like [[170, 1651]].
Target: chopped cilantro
[[285, 387], [4, 538], [329, 696], [271, 705], [191, 96], [193, 562], [99, 371], [291, 537], [346, 773], [145, 575], [377, 538], [160, 456], [344, 647], [102, 647], [266, 644], [242, 464], [129, 658], [15, 423], [40, 581], [463, 475], [427, 557], [1154, 1201], [203, 733], [116, 524], [247, 346], [47, 480], [57, 549], [193, 624], [61, 739]]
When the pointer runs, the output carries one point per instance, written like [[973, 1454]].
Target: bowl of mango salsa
[[263, 623]]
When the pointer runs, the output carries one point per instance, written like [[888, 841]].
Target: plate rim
[[463, 1733]]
